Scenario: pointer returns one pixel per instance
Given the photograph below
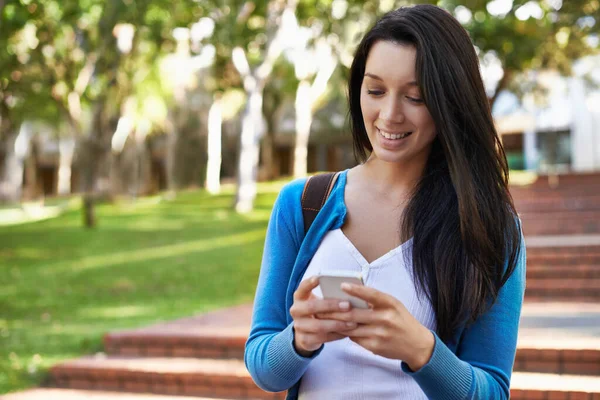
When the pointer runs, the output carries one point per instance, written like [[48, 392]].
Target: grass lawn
[[62, 286]]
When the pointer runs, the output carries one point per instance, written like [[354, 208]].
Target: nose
[[391, 111]]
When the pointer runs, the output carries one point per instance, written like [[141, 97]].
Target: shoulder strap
[[316, 191]]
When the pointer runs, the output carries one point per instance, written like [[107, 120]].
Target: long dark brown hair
[[466, 234]]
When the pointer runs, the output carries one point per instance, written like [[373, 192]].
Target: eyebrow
[[373, 76]]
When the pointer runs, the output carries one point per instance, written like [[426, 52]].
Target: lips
[[394, 135]]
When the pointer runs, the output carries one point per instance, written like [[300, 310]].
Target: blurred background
[[142, 144]]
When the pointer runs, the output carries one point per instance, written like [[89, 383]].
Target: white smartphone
[[330, 283]]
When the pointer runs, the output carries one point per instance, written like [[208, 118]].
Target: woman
[[427, 218]]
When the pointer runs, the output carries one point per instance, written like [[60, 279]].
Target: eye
[[415, 100], [375, 92]]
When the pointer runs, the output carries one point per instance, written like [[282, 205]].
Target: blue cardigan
[[475, 364]]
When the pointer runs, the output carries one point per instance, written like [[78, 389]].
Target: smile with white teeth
[[393, 136]]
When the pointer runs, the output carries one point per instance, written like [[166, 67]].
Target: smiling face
[[396, 119]]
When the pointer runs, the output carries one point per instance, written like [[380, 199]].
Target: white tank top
[[344, 370]]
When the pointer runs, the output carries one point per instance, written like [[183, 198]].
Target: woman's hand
[[387, 328], [310, 332]]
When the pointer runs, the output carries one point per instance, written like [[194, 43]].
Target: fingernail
[[351, 324], [344, 305], [346, 286]]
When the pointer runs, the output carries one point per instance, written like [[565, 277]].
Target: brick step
[[552, 259], [592, 189], [588, 245], [564, 289], [558, 360], [560, 284], [563, 271], [219, 344], [559, 338], [219, 334], [557, 203], [71, 394], [561, 223], [198, 336], [171, 376], [229, 379], [536, 386]]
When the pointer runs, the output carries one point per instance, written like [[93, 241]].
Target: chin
[[388, 157]]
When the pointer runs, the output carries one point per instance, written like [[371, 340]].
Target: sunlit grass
[[158, 258]]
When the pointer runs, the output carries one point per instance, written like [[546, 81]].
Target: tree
[[249, 36], [525, 34], [21, 91]]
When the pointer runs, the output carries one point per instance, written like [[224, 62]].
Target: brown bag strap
[[316, 191]]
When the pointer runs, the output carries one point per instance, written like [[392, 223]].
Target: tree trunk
[[66, 148], [12, 177], [186, 161], [31, 189], [267, 149], [303, 122], [270, 169], [249, 149], [213, 169], [95, 158], [143, 168], [16, 164], [502, 84]]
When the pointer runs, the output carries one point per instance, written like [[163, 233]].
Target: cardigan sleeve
[[269, 355], [482, 365]]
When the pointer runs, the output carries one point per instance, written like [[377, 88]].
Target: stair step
[[227, 380], [566, 322], [561, 243], [561, 222], [71, 394], [559, 338], [558, 360], [171, 376], [563, 289], [563, 271], [564, 284], [549, 258], [537, 386], [557, 203], [219, 334]]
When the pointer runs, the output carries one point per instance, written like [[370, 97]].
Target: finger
[[310, 325], [332, 337], [373, 296], [305, 288], [312, 341], [318, 306], [365, 331], [358, 315]]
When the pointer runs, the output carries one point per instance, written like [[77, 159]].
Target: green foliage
[[62, 288], [553, 39]]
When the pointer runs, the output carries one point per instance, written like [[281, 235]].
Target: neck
[[393, 178]]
